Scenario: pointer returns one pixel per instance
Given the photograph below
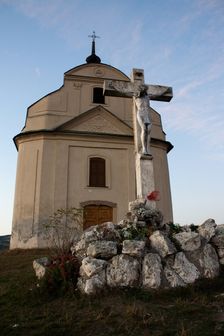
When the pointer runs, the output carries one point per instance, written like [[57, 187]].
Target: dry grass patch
[[25, 310]]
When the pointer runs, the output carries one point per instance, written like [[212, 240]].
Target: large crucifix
[[142, 94]]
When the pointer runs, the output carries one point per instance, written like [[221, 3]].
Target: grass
[[25, 310]]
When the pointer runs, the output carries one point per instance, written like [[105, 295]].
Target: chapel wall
[[27, 195], [162, 182], [76, 97], [57, 177], [120, 175]]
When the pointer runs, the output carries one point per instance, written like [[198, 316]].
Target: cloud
[[128, 45], [216, 69], [219, 157], [185, 90], [197, 107], [48, 13], [63, 18], [202, 122], [211, 4], [37, 71]]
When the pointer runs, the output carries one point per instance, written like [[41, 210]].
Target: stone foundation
[[142, 252]]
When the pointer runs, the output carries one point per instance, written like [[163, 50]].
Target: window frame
[[94, 95], [97, 172], [107, 172]]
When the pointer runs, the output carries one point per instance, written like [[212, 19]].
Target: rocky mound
[[142, 252]]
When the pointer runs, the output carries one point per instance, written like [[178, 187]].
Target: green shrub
[[132, 232], [174, 228], [194, 227]]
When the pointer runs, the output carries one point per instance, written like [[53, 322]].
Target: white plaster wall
[[27, 193], [52, 173], [162, 182]]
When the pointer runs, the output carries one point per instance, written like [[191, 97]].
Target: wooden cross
[[127, 89], [137, 89]]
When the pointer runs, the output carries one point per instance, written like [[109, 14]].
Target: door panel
[[97, 214]]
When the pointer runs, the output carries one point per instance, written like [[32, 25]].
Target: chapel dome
[[93, 58]]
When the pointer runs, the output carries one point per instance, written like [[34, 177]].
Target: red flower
[[153, 196]]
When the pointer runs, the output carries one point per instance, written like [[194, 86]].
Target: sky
[[178, 43]]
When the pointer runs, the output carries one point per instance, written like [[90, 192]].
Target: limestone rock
[[123, 223], [210, 262], [173, 278], [134, 248], [91, 266], [144, 211], [162, 244], [79, 249], [219, 229], [189, 241], [102, 249], [39, 266], [106, 231], [109, 231], [218, 240], [187, 271], [123, 271], [91, 234], [207, 229], [137, 204], [151, 271], [221, 261], [206, 260], [220, 252], [92, 285]]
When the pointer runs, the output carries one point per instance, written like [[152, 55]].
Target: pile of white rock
[[142, 252]]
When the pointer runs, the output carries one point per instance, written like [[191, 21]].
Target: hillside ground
[[26, 310]]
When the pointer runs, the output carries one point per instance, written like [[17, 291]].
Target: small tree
[[64, 229]]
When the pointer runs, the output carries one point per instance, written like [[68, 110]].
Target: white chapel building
[[77, 150]]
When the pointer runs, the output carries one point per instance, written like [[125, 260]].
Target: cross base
[[144, 176]]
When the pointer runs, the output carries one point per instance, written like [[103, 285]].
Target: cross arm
[[160, 93], [118, 88], [127, 89]]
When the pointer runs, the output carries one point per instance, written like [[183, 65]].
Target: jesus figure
[[142, 100]]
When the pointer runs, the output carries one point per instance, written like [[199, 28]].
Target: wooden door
[[97, 214]]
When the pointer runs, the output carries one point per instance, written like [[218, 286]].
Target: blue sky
[[179, 43]]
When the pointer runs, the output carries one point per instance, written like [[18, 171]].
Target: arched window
[[98, 97], [97, 172]]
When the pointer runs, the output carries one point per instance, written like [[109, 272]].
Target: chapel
[[77, 150]]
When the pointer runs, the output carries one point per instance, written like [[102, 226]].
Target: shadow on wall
[[4, 242]]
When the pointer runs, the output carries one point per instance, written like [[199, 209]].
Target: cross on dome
[[93, 58], [93, 36]]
